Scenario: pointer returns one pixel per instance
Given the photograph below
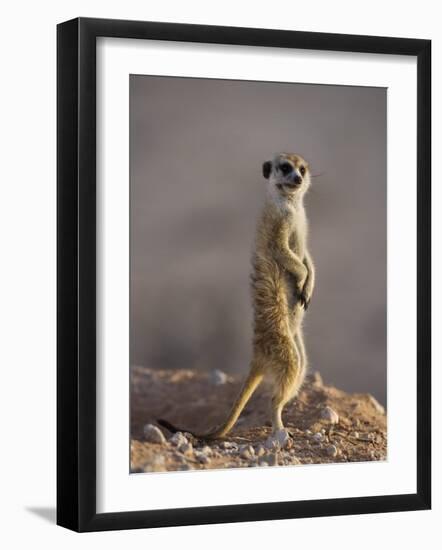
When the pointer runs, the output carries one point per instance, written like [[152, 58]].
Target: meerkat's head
[[288, 176]]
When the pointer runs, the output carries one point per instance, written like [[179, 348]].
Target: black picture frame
[[76, 273]]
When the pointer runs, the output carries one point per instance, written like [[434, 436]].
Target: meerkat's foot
[[276, 430], [279, 439]]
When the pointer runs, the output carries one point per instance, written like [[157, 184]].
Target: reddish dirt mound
[[354, 430]]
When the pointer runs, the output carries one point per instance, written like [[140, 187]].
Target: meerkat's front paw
[[303, 299], [305, 302]]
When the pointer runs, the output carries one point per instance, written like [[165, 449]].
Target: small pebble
[[217, 377], [229, 445], [330, 415], [202, 458], [178, 439], [179, 457], [153, 434], [331, 450], [186, 449], [318, 436], [366, 437]]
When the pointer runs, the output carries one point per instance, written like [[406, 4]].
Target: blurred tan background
[[196, 151]]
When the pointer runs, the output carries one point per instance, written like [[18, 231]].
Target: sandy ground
[[323, 424]]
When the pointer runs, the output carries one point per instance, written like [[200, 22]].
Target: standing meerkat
[[282, 279]]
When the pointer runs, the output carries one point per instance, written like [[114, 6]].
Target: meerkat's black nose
[[297, 179]]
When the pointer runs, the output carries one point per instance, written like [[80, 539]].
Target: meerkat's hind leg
[[299, 341], [287, 380]]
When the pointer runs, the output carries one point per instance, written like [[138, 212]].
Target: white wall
[[27, 289]]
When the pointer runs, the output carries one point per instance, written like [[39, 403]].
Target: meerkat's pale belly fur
[[277, 312]]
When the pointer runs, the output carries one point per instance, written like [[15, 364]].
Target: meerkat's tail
[[252, 382], [169, 426], [174, 429]]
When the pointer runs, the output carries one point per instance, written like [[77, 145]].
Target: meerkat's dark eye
[[302, 170], [285, 168]]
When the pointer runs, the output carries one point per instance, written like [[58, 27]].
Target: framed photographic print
[[243, 274]]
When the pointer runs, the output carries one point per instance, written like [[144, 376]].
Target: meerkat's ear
[[266, 169]]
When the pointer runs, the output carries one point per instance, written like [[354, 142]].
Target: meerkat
[[282, 283]]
